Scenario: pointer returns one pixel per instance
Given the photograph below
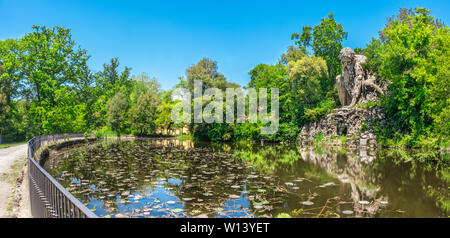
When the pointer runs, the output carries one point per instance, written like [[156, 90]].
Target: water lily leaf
[[202, 216], [177, 210], [195, 211], [283, 215], [347, 212]]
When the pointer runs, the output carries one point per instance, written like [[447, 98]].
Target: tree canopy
[[46, 85]]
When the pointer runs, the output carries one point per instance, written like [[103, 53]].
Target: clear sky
[[163, 38]]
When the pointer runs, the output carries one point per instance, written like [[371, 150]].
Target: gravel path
[[12, 160]]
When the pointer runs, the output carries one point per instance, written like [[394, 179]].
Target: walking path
[[12, 161]]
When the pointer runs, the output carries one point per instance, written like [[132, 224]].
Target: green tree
[[108, 83], [117, 108], [112, 81], [306, 75], [413, 54], [50, 60], [144, 113], [206, 72], [4, 105], [325, 40], [43, 67], [164, 112]]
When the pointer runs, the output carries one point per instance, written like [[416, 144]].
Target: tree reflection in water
[[181, 178]]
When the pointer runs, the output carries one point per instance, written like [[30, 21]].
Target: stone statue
[[354, 79]]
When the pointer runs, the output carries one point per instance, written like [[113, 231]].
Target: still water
[[180, 178]]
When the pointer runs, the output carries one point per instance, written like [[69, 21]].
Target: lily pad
[[347, 212], [176, 210], [218, 209]]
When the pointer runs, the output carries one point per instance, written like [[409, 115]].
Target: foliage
[[47, 87], [117, 105], [325, 40], [206, 72], [143, 113], [413, 55]]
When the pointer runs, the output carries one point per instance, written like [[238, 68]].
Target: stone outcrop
[[354, 124]]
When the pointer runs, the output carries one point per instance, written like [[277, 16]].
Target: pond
[[181, 178]]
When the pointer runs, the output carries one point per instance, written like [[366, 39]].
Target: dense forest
[[47, 87]]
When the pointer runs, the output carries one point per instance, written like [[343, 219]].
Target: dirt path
[[12, 161]]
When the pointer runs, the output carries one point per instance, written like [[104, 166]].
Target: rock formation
[[354, 81], [355, 124]]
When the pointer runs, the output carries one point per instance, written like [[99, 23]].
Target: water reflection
[[180, 178]]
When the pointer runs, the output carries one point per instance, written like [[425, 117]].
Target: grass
[[318, 138], [343, 140], [12, 144], [13, 174], [183, 136]]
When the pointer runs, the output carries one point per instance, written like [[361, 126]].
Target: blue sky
[[163, 38]]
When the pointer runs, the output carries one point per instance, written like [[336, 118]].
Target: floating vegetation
[[171, 178], [347, 212]]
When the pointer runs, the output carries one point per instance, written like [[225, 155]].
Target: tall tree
[[4, 105], [142, 83], [145, 99], [50, 60], [44, 66], [117, 108], [144, 113], [413, 54], [206, 71], [164, 111], [112, 81]]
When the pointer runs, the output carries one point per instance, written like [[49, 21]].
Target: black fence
[[48, 198]]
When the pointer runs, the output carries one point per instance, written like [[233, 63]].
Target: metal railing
[[47, 197]]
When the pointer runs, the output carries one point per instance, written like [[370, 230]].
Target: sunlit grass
[[12, 144]]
